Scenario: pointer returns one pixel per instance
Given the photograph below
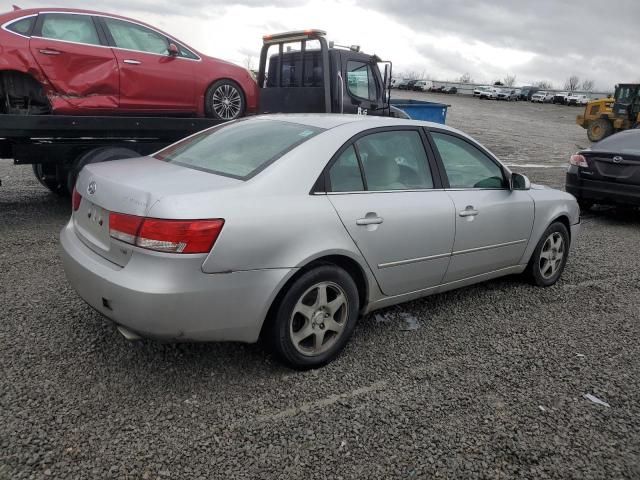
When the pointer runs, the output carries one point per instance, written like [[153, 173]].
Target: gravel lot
[[490, 385]]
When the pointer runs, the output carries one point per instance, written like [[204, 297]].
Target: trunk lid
[[614, 167], [131, 187]]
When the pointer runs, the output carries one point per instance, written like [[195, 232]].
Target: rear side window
[[71, 28], [22, 26], [238, 150], [394, 160]]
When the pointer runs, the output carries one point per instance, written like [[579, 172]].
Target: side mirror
[[173, 50], [520, 182]]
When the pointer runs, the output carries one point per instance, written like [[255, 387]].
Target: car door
[[150, 78], [361, 88], [392, 204], [493, 222], [74, 57]]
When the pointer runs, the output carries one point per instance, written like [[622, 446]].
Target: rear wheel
[[599, 129], [49, 177], [97, 155], [550, 256], [225, 100], [315, 318]]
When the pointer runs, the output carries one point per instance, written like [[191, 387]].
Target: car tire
[[225, 100], [97, 155], [550, 256], [599, 129], [307, 330], [47, 176]]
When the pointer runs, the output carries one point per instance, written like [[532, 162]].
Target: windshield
[[239, 149]]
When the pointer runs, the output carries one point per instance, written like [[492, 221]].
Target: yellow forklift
[[605, 116]]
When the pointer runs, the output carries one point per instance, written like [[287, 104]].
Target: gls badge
[[91, 189]]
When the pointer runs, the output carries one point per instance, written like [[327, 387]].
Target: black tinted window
[[23, 26], [239, 149], [291, 67]]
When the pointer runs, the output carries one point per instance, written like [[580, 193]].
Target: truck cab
[[300, 72]]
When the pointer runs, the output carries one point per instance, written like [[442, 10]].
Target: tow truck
[[300, 72]]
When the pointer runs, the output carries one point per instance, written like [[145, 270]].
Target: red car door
[[151, 79], [80, 68]]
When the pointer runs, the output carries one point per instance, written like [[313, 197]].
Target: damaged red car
[[77, 62]]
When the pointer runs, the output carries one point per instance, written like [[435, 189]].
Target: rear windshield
[[240, 149], [627, 142]]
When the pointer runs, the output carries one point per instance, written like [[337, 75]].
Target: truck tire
[[599, 129], [225, 100], [97, 155], [48, 177]]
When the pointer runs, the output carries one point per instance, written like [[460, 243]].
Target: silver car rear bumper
[[169, 297]]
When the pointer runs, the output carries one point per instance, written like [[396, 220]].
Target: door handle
[[132, 62], [469, 211], [49, 51], [369, 221]]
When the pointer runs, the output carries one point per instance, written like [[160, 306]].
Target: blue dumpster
[[421, 110]]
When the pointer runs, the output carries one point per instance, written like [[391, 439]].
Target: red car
[[78, 62]]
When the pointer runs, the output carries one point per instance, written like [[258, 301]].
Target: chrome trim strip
[[359, 192], [489, 247], [443, 255], [413, 260]]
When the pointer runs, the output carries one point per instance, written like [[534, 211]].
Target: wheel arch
[[27, 82], [347, 263]]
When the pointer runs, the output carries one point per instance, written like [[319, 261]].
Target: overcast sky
[[489, 39]]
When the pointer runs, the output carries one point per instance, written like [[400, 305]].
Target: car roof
[[328, 121]]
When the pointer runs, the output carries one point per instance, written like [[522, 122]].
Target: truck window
[[360, 80]]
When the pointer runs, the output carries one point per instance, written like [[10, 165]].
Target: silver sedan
[[290, 227]]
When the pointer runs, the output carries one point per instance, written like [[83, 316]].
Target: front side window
[[131, 36], [361, 82], [465, 165], [71, 28], [394, 160], [240, 149], [22, 26]]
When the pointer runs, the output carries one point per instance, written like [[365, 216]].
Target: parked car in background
[[577, 99], [527, 92], [423, 85], [439, 89], [560, 98], [608, 172], [402, 84], [539, 97], [79, 62], [491, 93], [450, 90], [165, 246], [478, 90], [508, 94], [394, 83]]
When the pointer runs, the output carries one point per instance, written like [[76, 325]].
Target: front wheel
[[599, 129], [224, 100], [550, 256], [315, 318]]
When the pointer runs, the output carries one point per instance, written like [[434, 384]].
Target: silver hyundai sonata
[[289, 227]]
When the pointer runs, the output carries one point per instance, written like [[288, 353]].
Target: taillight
[[173, 236], [578, 160], [76, 198]]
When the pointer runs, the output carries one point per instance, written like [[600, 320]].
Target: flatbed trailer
[[58, 146]]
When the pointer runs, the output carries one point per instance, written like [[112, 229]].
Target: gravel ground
[[490, 385]]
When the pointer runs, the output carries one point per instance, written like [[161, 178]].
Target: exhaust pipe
[[128, 334]]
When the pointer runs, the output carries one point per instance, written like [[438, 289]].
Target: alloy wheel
[[226, 102], [319, 318], [551, 256]]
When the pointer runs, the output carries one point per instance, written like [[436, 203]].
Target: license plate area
[[92, 221]]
